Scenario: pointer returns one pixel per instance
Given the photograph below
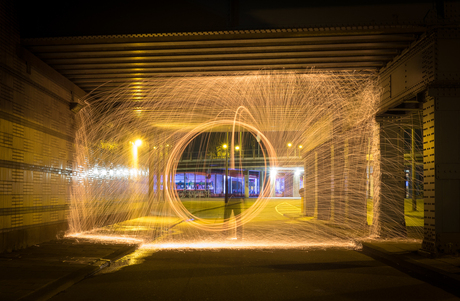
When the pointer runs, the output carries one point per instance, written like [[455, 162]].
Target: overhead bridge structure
[[414, 59]]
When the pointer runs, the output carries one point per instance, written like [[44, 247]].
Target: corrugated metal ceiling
[[110, 61]]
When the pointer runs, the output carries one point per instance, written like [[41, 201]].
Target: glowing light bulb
[[300, 146], [138, 142], [224, 146], [289, 144], [237, 147]]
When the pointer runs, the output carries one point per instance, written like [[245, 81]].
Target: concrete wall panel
[[36, 144]]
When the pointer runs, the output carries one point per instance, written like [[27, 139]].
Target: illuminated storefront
[[212, 184], [246, 183]]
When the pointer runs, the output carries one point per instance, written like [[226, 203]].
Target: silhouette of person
[[233, 205]]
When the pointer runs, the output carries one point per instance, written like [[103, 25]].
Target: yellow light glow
[[138, 142], [289, 144], [224, 146], [237, 147], [300, 146], [114, 238], [233, 243]]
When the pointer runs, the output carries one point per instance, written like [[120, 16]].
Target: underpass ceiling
[[110, 61]]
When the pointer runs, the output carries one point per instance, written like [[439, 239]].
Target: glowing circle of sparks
[[173, 198]]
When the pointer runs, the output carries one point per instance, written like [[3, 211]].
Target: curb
[[53, 288], [420, 271]]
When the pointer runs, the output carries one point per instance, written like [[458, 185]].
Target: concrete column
[[310, 184], [158, 172], [272, 184], [324, 173], [346, 180], [246, 183], [289, 184], [151, 164], [389, 200], [162, 170], [296, 184], [338, 198], [261, 181], [355, 180], [441, 160]]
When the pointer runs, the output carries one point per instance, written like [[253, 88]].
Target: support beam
[[296, 184], [246, 183], [324, 182], [389, 199], [338, 197], [355, 194], [428, 72], [309, 190], [441, 162]]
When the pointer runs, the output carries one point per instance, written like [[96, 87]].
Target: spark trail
[[121, 187]]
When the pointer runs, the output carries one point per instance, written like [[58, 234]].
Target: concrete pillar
[[310, 184], [389, 199], [338, 197], [272, 180], [324, 179], [246, 183], [159, 162], [261, 181], [441, 160], [355, 181], [163, 165], [151, 164], [296, 184], [346, 180], [289, 184]]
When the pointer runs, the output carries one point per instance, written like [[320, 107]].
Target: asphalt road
[[229, 274]]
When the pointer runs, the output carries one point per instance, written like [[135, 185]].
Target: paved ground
[[391, 267], [41, 271], [280, 274]]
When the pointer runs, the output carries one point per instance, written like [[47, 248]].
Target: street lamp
[[289, 147], [138, 142]]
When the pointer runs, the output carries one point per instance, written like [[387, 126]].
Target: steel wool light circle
[[170, 171]]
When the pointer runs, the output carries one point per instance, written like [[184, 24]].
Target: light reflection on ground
[[237, 244], [146, 250], [107, 238]]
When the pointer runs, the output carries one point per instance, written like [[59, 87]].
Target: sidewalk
[[40, 272], [442, 271]]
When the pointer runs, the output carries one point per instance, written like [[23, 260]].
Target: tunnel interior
[[307, 140]]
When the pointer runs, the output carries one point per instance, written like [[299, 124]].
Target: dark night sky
[[70, 18]]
